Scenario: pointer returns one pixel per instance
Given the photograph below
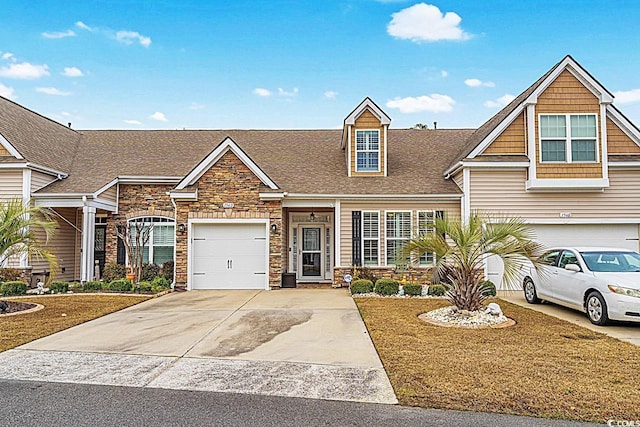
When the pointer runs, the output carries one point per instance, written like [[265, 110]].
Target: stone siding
[[230, 181], [421, 275]]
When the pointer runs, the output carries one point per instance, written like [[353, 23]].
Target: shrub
[[14, 287], [365, 273], [122, 285], [166, 270], [145, 286], [412, 289], [59, 287], [113, 272], [386, 287], [75, 286], [161, 282], [10, 274], [95, 286], [436, 290], [488, 288], [149, 272], [361, 286]]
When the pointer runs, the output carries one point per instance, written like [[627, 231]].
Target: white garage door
[[611, 235], [229, 256]]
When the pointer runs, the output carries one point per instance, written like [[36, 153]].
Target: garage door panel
[[229, 256]]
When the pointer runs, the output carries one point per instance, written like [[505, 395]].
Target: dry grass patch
[[542, 366], [23, 328]]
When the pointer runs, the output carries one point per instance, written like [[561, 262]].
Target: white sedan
[[603, 282]]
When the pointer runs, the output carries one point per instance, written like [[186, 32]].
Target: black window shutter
[[121, 255], [440, 215], [356, 247]]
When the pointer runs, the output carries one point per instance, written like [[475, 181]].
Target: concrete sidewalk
[[299, 343], [629, 332]]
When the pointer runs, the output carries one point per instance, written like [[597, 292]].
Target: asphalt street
[[31, 403]]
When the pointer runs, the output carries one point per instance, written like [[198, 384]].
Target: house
[[238, 208]]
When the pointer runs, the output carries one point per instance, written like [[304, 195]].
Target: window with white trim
[[367, 150], [159, 248], [568, 138], [426, 225], [398, 226], [370, 238]]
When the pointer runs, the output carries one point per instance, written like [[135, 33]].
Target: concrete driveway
[[293, 342], [629, 332]]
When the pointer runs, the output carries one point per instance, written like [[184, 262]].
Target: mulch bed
[[14, 307]]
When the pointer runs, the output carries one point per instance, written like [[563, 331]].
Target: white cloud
[[83, 26], [58, 34], [500, 102], [262, 91], [7, 55], [444, 73], [52, 91], [129, 37], [24, 70], [478, 83], [282, 92], [425, 23], [330, 94], [132, 122], [72, 72], [627, 96], [434, 103], [7, 92], [159, 117]]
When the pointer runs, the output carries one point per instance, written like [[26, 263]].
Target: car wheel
[[597, 309], [530, 293]]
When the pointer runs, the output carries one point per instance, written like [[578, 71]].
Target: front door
[[310, 258], [99, 246]]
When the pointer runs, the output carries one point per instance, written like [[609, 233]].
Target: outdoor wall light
[[181, 228], [312, 217], [274, 228]]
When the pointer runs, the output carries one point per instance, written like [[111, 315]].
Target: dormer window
[[568, 138], [367, 150]]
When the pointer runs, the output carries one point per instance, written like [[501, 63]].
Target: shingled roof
[[38, 139], [299, 161]]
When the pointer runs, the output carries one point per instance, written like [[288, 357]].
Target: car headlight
[[624, 291]]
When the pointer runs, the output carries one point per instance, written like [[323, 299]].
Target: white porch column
[[88, 235]]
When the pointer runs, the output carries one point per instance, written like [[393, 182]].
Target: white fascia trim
[[367, 103], [132, 179], [74, 202], [630, 165], [604, 153], [496, 132], [466, 200], [47, 170], [306, 203], [595, 221], [105, 187], [102, 204], [375, 196], [60, 195], [186, 197], [452, 170], [579, 73], [272, 196], [10, 148], [215, 155], [624, 124], [494, 165], [567, 184], [13, 165]]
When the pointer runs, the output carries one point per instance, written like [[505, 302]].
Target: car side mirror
[[572, 267]]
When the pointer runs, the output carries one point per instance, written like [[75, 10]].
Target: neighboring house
[[236, 209]]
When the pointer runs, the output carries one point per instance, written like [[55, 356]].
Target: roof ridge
[[67, 128]]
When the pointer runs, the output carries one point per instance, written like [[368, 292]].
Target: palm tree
[[22, 228], [461, 249]]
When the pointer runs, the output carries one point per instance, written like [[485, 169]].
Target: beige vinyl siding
[[78, 242], [110, 194], [40, 180], [458, 178], [511, 140], [367, 121], [10, 185], [4, 152], [63, 245], [566, 95], [618, 142], [503, 192], [451, 208]]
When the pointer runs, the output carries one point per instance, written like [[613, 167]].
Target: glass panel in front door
[[311, 251]]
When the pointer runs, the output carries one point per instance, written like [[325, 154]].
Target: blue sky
[[302, 64]]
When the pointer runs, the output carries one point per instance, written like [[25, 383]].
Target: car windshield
[[612, 261]]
